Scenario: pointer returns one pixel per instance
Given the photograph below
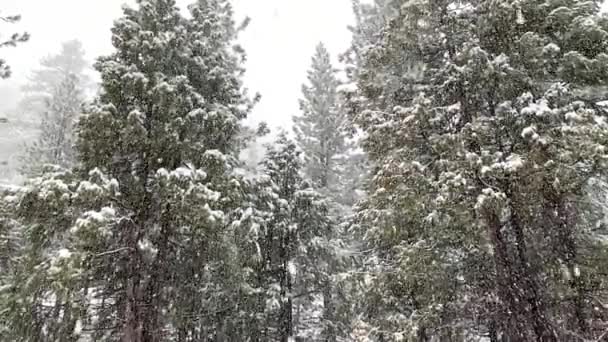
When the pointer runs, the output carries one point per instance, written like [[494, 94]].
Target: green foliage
[[287, 240], [482, 147], [322, 129], [138, 238]]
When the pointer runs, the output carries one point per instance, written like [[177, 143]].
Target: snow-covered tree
[[43, 297], [54, 96], [69, 63], [55, 143], [136, 243], [321, 127], [371, 19], [336, 170], [482, 150], [333, 162], [11, 41], [289, 238]]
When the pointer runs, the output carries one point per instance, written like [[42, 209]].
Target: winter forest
[[446, 180]]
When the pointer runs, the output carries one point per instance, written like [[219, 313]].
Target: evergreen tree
[[40, 298], [320, 130], [10, 241], [55, 144], [54, 97], [476, 219], [13, 40], [289, 239], [336, 170], [370, 21], [68, 65], [325, 135], [136, 244]]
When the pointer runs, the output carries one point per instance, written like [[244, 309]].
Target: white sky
[[279, 41]]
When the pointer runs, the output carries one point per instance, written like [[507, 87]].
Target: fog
[[279, 42]]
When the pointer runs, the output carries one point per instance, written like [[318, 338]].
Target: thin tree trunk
[[328, 313], [286, 323], [132, 326]]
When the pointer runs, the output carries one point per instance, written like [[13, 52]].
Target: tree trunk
[[132, 318], [329, 334], [529, 285], [286, 317]]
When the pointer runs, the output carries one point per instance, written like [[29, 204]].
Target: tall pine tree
[[335, 169], [55, 143], [289, 238], [482, 150], [320, 128], [53, 99], [140, 247]]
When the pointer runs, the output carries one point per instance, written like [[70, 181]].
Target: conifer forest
[[444, 180]]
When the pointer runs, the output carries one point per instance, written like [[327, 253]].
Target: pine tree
[[12, 41], [54, 97], [481, 157], [335, 169], [320, 130], [68, 65], [40, 298], [55, 144], [370, 22], [140, 244], [289, 240]]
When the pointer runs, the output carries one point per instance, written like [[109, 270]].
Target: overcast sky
[[279, 41]]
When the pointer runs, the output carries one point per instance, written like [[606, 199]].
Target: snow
[[88, 187], [419, 167], [487, 195], [95, 219], [530, 133], [350, 87], [6, 287], [565, 272], [196, 113], [572, 116], [11, 199], [162, 173], [51, 187], [135, 76], [551, 48], [215, 154], [254, 247], [64, 253], [113, 185], [292, 269], [472, 157], [513, 163], [164, 87], [10, 187], [408, 118], [182, 173], [539, 109], [454, 108], [520, 20], [108, 212], [147, 247], [78, 327], [96, 216]]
